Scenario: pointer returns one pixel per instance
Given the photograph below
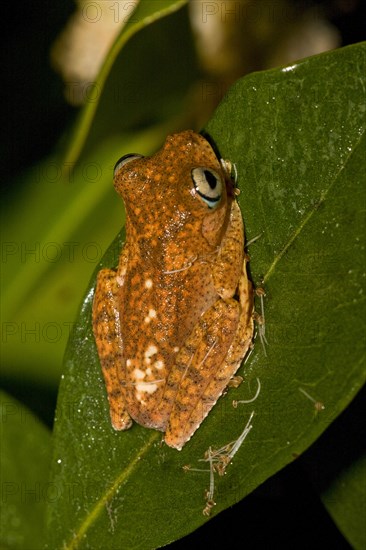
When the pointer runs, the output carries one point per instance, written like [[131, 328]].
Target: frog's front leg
[[107, 333], [227, 268]]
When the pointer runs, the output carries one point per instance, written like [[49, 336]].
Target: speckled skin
[[173, 324]]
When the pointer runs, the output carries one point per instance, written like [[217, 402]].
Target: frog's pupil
[[210, 178]]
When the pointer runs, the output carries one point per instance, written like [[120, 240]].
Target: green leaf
[[25, 486], [297, 138], [345, 500]]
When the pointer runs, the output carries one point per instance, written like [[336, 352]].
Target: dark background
[[286, 510], [30, 128]]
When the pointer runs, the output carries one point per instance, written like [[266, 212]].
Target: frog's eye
[[208, 185], [124, 160]]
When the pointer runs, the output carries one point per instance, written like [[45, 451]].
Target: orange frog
[[175, 320]]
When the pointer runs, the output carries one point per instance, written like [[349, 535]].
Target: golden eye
[[124, 160], [208, 184]]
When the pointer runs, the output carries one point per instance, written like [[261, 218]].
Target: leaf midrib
[[119, 480]]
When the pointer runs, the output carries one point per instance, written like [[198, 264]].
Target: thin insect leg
[[210, 503], [241, 438], [251, 241], [260, 319], [235, 170], [222, 457], [245, 401], [191, 261], [217, 454], [187, 367], [261, 294], [126, 384], [187, 468], [210, 493], [262, 339], [187, 266], [218, 461], [207, 353], [319, 406], [203, 360], [204, 259], [307, 395]]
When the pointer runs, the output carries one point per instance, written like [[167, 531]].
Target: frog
[[174, 321]]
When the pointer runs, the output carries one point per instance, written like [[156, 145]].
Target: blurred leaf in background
[[25, 488]]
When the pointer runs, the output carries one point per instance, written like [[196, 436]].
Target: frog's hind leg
[[221, 379], [211, 355], [195, 368], [107, 333]]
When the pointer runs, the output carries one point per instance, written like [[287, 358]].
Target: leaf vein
[[120, 479]]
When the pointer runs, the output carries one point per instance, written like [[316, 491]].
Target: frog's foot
[[106, 328], [120, 418]]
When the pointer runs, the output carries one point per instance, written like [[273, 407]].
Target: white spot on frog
[[140, 398], [151, 350], [145, 387], [148, 283], [151, 315], [138, 374], [159, 365]]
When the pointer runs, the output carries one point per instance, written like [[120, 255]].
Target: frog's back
[[164, 307]]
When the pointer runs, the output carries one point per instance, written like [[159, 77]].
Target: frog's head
[[182, 183]]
